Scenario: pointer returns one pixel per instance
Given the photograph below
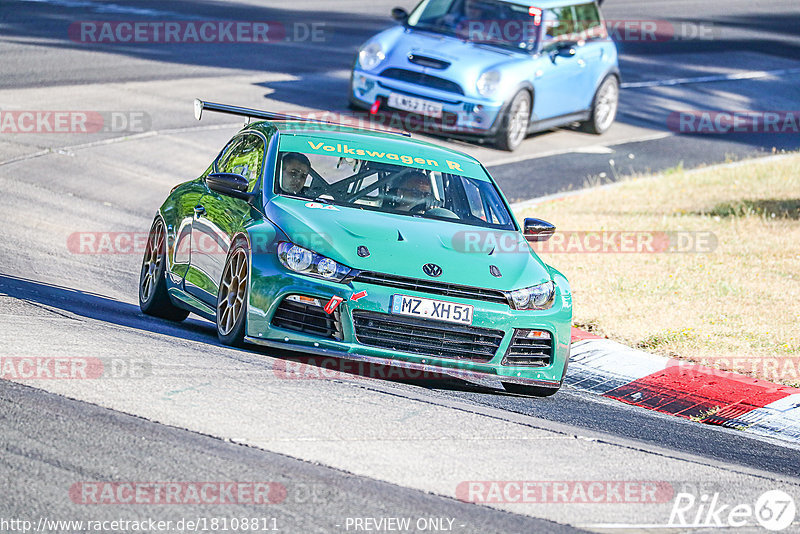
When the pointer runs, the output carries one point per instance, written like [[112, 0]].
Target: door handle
[[199, 210]]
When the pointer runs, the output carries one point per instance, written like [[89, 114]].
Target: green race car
[[360, 244]]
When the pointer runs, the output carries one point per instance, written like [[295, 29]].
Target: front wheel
[[232, 297], [604, 107], [531, 391], [153, 296], [514, 122]]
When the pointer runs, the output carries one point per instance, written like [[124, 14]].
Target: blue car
[[492, 69]]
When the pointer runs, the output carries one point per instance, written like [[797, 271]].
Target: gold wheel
[[232, 292]]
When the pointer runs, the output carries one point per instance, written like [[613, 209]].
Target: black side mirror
[[565, 49], [400, 15], [229, 184], [538, 230]]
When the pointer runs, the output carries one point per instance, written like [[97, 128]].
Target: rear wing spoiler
[[201, 105]]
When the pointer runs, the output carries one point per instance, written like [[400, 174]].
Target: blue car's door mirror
[[400, 15], [566, 49]]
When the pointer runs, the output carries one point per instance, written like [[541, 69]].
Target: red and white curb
[[683, 389]]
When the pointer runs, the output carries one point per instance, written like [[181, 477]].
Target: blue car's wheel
[[153, 297], [514, 122], [604, 107]]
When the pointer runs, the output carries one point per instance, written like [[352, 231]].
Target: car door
[[557, 78], [592, 33], [178, 215], [218, 217]]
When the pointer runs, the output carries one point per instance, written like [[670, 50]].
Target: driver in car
[[413, 193], [294, 173]]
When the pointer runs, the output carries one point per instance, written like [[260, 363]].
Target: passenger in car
[[413, 193]]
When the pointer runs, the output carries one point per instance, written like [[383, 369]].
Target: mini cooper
[[363, 245], [492, 69]]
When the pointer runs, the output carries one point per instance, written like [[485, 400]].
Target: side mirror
[[538, 230], [566, 49], [400, 15], [229, 184]]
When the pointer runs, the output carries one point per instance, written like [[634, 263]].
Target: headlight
[[488, 82], [533, 298], [304, 261], [371, 56]]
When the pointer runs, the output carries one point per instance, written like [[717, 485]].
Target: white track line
[[114, 140], [747, 75]]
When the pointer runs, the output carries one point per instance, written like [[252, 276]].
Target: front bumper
[[268, 292], [462, 116]]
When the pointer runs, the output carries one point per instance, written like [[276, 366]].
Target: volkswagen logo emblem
[[431, 269]]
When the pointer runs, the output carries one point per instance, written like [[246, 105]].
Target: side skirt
[[189, 303]]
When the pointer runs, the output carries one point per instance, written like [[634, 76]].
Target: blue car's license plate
[[417, 105], [432, 309]]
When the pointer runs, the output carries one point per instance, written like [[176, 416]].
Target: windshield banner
[[452, 164]]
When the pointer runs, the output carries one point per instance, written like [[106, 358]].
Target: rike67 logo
[[774, 510]]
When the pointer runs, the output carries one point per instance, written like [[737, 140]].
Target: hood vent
[[429, 62]]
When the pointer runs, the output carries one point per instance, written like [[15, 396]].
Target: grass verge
[[726, 296]]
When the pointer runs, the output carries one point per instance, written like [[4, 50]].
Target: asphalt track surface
[[367, 447]]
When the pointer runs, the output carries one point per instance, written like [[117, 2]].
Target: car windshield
[[391, 188], [489, 22]]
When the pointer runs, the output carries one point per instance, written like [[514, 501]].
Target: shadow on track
[[292, 364]]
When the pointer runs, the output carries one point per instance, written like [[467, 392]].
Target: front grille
[[308, 319], [420, 78], [432, 286], [425, 337], [524, 351]]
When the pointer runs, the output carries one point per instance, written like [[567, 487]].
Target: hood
[[401, 245], [403, 42]]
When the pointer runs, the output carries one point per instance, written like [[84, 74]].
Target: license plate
[[417, 105], [432, 309]]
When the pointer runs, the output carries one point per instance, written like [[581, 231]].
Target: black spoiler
[[201, 105]]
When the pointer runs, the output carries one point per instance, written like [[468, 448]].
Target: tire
[[531, 391], [514, 122], [153, 296], [232, 296], [604, 107]]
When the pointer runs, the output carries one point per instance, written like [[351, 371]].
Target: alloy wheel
[[232, 292]]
